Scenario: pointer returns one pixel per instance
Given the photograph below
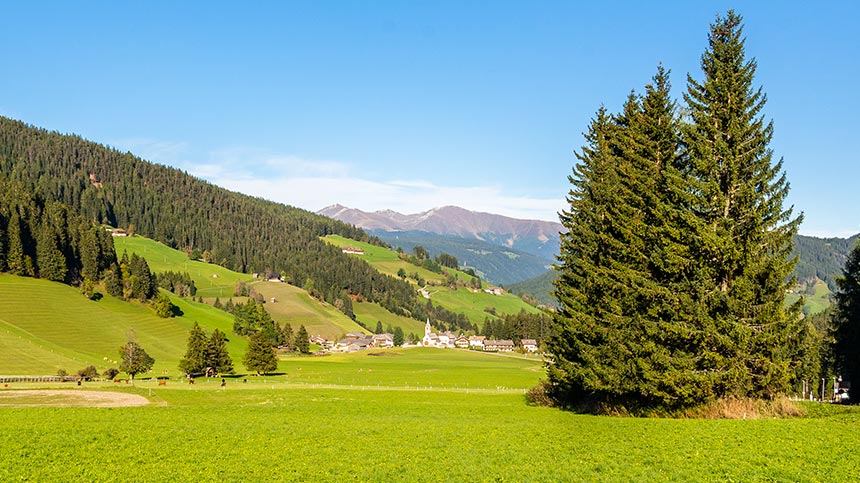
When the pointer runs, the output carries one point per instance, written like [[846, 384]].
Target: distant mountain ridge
[[537, 237]]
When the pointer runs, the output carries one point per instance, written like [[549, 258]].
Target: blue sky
[[408, 105]]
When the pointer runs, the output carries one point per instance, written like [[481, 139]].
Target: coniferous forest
[[673, 275], [247, 234]]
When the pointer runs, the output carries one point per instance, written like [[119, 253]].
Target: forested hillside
[[240, 232], [821, 258]]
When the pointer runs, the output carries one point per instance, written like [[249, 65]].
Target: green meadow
[[472, 303], [46, 326], [416, 415]]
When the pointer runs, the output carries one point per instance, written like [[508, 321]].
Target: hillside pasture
[[46, 326], [370, 314]]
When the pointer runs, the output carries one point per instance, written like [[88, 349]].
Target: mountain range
[[540, 238]]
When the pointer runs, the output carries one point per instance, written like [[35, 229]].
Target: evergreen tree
[[15, 252], [846, 319], [302, 341], [260, 357], [196, 354], [113, 281], [217, 356], [378, 327], [89, 254], [743, 235], [398, 336], [134, 359], [289, 340], [49, 257]]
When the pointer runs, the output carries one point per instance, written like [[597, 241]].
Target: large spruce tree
[[673, 273], [743, 236], [196, 354], [846, 318]]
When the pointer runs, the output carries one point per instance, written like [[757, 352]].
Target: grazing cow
[[162, 383]]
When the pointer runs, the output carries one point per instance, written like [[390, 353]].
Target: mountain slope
[[494, 263], [539, 238], [240, 232]]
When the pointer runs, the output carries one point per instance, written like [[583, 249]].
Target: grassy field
[[370, 314], [45, 326], [816, 302], [358, 422], [461, 300], [293, 304]]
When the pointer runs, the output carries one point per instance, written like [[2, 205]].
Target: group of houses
[[448, 340], [356, 341]]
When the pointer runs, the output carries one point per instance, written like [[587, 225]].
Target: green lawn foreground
[[289, 429]]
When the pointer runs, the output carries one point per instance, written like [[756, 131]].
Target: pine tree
[[49, 257], [196, 353], [260, 357], [113, 281], [743, 237], [398, 336], [302, 341], [15, 252], [289, 340], [846, 318], [216, 353]]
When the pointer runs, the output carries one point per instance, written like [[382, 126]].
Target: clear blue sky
[[408, 105]]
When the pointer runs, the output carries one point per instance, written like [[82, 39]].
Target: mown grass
[[289, 431], [370, 314], [46, 326]]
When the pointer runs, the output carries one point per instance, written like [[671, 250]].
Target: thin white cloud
[[314, 185]]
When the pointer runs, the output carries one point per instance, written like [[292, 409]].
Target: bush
[[88, 373], [62, 372], [110, 373], [539, 395]]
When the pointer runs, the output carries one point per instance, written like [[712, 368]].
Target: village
[[357, 341]]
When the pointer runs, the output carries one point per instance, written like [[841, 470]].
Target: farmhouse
[[530, 345], [494, 291], [476, 341], [499, 345], [118, 232], [383, 340], [353, 250]]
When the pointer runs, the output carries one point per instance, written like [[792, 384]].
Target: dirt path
[[69, 398]]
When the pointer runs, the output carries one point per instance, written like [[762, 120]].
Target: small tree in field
[[134, 360], [260, 356], [303, 341]]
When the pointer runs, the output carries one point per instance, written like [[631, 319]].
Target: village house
[[118, 232], [352, 250], [499, 345], [477, 341], [461, 342], [529, 345], [383, 341], [494, 291]]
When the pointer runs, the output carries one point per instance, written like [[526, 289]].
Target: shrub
[[88, 373]]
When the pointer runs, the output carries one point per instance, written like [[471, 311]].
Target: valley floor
[[419, 415]]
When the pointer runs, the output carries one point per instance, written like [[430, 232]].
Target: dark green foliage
[[88, 373], [217, 356], [379, 329], [303, 345], [446, 260], [179, 283], [134, 360], [110, 373], [46, 239], [289, 339], [398, 336], [113, 280], [163, 307], [196, 355], [519, 326], [251, 317], [240, 232], [673, 274], [260, 357], [141, 282], [846, 319], [822, 258]]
